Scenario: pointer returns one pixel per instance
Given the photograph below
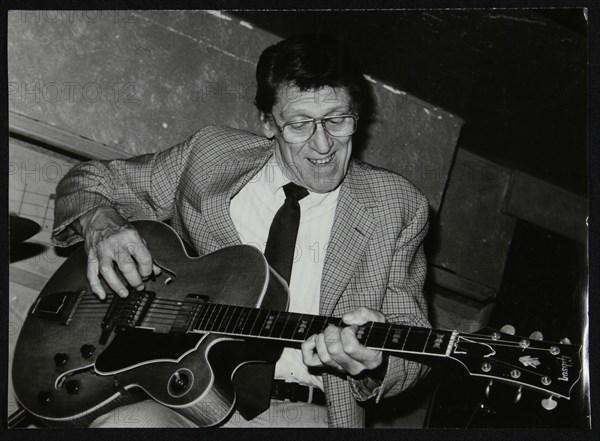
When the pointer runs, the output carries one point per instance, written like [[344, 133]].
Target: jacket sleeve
[[142, 187], [404, 303]]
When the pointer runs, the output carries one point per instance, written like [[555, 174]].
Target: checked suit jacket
[[374, 259]]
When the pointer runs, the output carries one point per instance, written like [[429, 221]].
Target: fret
[[196, 317], [279, 324], [218, 317], [416, 339], [304, 323], [225, 318], [438, 342], [268, 323], [376, 336], [291, 325], [241, 321], [205, 321], [250, 321], [317, 325], [259, 324], [233, 320]]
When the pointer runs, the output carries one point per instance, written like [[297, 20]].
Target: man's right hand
[[110, 238]]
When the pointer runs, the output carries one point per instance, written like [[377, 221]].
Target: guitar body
[[75, 361]]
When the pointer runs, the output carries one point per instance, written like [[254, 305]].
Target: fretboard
[[295, 327]]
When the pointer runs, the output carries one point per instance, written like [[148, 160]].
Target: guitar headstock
[[551, 368]]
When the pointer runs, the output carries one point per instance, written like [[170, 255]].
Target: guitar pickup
[[188, 313]]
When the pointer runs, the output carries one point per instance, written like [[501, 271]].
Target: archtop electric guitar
[[181, 339]]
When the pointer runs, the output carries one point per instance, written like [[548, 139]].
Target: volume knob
[[87, 351], [45, 397], [61, 359], [72, 387]]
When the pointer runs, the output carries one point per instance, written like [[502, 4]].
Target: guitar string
[[178, 303], [377, 328]]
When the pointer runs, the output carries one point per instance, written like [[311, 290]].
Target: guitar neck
[[296, 327]]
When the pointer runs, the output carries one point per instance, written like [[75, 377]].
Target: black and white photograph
[[298, 219]]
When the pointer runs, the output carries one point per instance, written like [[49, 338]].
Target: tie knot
[[294, 192]]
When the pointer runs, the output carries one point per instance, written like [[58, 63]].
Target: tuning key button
[[554, 350], [87, 351], [72, 387], [508, 329], [565, 341], [45, 397], [536, 335], [61, 359], [546, 380], [486, 367], [549, 403], [515, 373]]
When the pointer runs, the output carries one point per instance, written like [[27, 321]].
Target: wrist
[[104, 211]]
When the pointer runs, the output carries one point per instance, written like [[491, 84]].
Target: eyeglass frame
[[315, 121]]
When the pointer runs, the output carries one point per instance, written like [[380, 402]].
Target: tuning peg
[[549, 403], [488, 388], [508, 329], [565, 341], [519, 395], [536, 335]]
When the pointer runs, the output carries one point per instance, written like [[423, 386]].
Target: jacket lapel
[[228, 178], [352, 228]]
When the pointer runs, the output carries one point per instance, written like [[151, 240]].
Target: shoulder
[[226, 143], [389, 193]]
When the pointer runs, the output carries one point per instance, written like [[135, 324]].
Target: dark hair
[[309, 62]]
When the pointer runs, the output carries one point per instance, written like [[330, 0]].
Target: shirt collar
[[276, 179]]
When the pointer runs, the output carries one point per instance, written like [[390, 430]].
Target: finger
[[309, 356], [105, 260], [363, 315], [363, 358], [129, 269], [324, 344], [142, 256], [92, 274]]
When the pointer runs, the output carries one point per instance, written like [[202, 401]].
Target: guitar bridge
[[126, 313]]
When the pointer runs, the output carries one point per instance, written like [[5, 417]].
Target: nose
[[321, 141]]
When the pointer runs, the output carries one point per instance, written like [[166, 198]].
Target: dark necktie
[[253, 380], [284, 229]]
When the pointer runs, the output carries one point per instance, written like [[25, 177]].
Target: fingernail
[[140, 288], [122, 293]]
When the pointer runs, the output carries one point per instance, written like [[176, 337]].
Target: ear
[[266, 126]]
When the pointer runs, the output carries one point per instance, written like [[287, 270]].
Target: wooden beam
[[61, 139], [547, 206]]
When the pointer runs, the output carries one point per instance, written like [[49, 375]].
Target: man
[[359, 252]]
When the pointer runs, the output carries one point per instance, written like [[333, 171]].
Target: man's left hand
[[339, 349]]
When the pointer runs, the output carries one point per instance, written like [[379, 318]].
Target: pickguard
[[135, 347]]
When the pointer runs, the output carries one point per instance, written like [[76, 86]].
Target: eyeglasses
[[303, 130]]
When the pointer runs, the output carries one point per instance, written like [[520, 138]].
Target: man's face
[[320, 163]]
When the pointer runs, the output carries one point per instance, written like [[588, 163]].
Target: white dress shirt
[[252, 211]]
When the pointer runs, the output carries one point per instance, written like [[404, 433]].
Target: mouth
[[323, 161]]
